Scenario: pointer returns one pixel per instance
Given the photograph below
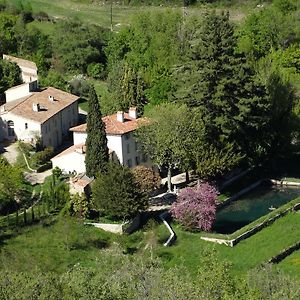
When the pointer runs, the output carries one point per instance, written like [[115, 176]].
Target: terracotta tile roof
[[81, 180], [20, 61], [48, 108], [113, 126]]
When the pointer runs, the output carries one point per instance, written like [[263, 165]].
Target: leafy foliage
[[10, 75], [79, 205], [148, 179], [220, 84], [116, 193], [140, 59], [196, 207], [77, 45], [11, 180]]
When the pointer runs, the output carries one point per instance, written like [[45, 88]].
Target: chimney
[[133, 112], [51, 98], [36, 107], [120, 116]]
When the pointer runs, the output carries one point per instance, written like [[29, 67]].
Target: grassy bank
[[57, 244]]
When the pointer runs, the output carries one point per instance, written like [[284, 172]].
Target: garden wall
[[252, 231]]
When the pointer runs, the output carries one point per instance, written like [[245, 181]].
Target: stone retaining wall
[[251, 231], [283, 254]]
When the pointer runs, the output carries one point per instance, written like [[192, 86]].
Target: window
[[136, 146], [127, 136], [26, 125], [137, 160], [129, 163], [128, 148]]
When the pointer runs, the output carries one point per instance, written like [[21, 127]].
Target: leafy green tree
[[273, 27], [11, 180], [218, 81], [96, 143], [140, 58], [10, 75], [126, 86], [116, 193], [76, 45], [163, 137], [8, 42], [79, 205], [57, 194], [53, 79]]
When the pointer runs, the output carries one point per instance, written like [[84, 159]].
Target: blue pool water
[[252, 206]]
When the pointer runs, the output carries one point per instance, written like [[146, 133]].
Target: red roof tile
[[113, 126]]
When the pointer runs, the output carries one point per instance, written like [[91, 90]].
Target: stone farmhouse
[[30, 114], [29, 70], [122, 146]]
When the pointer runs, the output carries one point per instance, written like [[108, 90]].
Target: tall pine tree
[[217, 81], [96, 143]]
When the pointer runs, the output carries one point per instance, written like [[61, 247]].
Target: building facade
[[121, 142], [45, 115]]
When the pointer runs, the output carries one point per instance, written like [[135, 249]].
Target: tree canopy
[[117, 194]]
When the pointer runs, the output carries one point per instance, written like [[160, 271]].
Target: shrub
[[44, 156], [116, 194], [146, 178], [196, 207], [96, 70], [79, 205], [79, 86]]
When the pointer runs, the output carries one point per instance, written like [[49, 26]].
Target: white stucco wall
[[52, 131], [70, 162], [131, 155], [22, 133], [79, 137], [114, 142], [20, 91]]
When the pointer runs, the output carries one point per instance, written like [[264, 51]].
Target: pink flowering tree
[[196, 207]]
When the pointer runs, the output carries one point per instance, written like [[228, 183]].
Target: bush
[[196, 207], [79, 86], [79, 205], [146, 178], [43, 157], [116, 194], [96, 70]]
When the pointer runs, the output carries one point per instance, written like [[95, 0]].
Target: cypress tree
[[96, 143]]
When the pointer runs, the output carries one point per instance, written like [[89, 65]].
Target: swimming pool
[[252, 206]]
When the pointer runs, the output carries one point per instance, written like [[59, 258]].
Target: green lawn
[[248, 254], [291, 264], [56, 244]]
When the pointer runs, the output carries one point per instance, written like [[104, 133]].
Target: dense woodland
[[219, 94]]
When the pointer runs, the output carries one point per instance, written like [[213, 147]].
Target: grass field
[[55, 245], [59, 243], [291, 264], [248, 254], [100, 13]]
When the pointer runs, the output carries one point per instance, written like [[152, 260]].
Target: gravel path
[[10, 152]]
